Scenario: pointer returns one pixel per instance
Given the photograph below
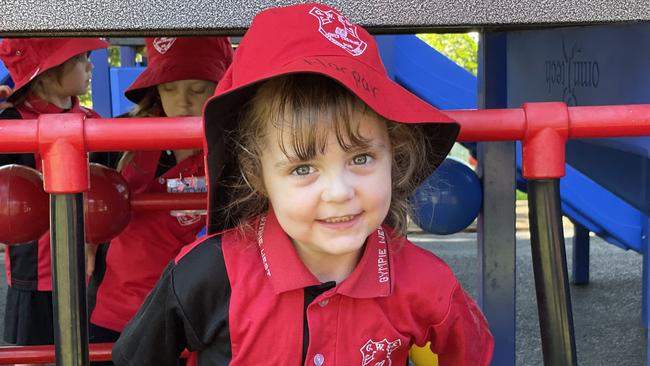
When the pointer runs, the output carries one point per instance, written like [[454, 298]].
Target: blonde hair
[[297, 105]]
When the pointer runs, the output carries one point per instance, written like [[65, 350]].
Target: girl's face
[[330, 204], [185, 97], [73, 80]]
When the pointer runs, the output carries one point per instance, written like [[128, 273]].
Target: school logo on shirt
[[338, 30], [163, 44], [378, 353], [187, 220]]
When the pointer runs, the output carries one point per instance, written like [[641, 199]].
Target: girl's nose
[[184, 99], [337, 189]]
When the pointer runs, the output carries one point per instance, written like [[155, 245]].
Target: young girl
[[181, 75], [49, 75], [311, 153]]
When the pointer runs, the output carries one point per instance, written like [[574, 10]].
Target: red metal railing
[[45, 354], [168, 201], [541, 127]]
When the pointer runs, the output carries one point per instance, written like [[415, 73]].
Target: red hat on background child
[[181, 58], [26, 58], [311, 38]]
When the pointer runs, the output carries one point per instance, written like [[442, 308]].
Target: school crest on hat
[[338, 30], [163, 44]]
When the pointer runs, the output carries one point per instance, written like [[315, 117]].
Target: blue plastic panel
[[5, 79], [4, 75], [101, 89], [121, 78]]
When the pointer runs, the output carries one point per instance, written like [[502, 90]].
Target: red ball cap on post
[[107, 207], [23, 205]]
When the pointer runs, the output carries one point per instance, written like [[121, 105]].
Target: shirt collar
[[40, 106], [372, 277]]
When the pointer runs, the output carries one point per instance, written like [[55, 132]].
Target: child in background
[[49, 75], [181, 75], [312, 152]]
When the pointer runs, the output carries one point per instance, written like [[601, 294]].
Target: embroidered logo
[[187, 220], [378, 353], [163, 44], [338, 30]]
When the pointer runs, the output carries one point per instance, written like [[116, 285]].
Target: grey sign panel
[[129, 17], [581, 66]]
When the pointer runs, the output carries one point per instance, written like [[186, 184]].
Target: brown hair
[[298, 104]]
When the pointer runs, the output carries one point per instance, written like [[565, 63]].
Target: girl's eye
[[361, 159], [198, 91], [302, 170]]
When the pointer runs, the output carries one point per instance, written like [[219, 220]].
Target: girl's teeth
[[339, 219]]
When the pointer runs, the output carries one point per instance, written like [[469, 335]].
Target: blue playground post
[[127, 56], [100, 86]]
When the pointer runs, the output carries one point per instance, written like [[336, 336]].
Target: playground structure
[[496, 237]]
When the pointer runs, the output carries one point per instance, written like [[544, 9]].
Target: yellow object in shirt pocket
[[422, 356]]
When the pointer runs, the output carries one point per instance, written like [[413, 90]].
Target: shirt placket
[[323, 319]]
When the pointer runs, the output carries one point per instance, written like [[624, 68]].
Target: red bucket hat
[[181, 58], [26, 58], [317, 39]]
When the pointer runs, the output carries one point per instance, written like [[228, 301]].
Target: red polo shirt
[[137, 256], [253, 311]]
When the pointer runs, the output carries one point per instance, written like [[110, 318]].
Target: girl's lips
[[340, 222]]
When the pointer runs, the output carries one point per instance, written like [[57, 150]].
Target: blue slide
[[439, 81]]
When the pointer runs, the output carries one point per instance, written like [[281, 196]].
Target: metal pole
[[68, 276], [496, 222], [549, 266]]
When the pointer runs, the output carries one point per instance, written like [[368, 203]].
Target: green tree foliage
[[462, 48]]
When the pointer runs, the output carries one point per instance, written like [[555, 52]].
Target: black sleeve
[[187, 308], [106, 158], [22, 158], [10, 113]]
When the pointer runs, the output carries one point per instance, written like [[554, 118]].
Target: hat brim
[[387, 98], [173, 70]]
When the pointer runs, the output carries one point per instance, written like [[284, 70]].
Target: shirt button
[[323, 303], [319, 359]]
